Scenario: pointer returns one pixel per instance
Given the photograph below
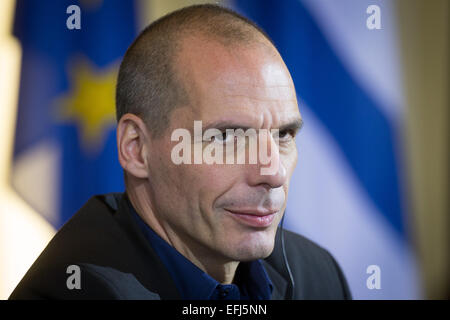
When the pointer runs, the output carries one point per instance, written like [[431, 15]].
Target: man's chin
[[253, 250]]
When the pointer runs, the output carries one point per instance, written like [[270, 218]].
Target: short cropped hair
[[148, 84]]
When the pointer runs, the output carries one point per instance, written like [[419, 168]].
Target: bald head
[[229, 76], [152, 82]]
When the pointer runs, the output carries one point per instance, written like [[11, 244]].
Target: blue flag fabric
[[67, 96]]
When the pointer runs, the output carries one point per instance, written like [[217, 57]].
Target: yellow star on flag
[[90, 103]]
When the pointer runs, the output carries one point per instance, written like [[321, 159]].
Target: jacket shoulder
[[315, 272], [104, 242]]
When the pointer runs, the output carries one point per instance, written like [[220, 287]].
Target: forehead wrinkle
[[246, 96], [251, 106], [275, 93], [248, 119], [245, 87]]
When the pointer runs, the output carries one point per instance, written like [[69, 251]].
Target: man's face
[[226, 211]]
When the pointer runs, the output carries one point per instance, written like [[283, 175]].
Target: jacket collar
[[151, 272], [280, 285]]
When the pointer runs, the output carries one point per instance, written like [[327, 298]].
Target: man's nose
[[269, 169]]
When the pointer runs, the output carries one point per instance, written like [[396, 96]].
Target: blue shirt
[[251, 280]]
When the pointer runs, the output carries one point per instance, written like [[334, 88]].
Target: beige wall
[[424, 33]]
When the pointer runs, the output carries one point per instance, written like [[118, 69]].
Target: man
[[193, 230]]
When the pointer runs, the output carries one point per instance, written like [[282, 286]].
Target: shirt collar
[[252, 281]]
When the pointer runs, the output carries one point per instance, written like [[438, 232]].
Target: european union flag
[[65, 149]]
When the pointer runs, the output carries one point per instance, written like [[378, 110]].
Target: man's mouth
[[253, 218]]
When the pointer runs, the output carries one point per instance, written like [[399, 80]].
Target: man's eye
[[285, 135]]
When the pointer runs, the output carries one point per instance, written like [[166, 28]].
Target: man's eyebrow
[[294, 125]]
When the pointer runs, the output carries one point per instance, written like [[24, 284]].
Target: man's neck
[[222, 270]]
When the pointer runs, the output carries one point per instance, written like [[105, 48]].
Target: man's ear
[[132, 136]]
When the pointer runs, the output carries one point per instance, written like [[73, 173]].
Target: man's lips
[[254, 218]]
